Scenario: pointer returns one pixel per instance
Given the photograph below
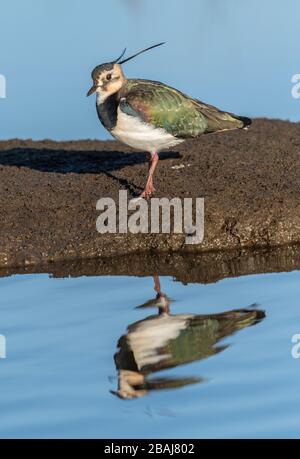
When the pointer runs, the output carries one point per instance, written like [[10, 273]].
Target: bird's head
[[109, 78]]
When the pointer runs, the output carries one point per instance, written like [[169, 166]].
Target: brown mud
[[250, 181], [206, 267]]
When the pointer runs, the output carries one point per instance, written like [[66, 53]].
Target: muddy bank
[[48, 193], [187, 268]]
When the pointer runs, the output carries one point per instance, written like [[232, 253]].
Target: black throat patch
[[107, 111]]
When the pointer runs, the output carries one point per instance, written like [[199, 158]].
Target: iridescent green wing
[[218, 120], [163, 107], [177, 113]]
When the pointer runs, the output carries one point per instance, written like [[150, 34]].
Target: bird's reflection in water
[[166, 340]]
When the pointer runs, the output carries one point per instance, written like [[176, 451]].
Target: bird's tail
[[218, 120], [246, 121], [230, 121]]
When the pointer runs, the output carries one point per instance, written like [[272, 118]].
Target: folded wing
[[178, 114]]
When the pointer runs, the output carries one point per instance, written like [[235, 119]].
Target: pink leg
[[164, 306], [157, 284], [149, 188]]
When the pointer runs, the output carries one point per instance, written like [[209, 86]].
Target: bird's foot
[[148, 192]]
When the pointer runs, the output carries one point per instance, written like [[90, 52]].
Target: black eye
[[108, 76]]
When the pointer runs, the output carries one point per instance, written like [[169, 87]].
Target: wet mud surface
[[48, 193], [206, 267]]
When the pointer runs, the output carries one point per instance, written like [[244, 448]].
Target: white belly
[[142, 136]]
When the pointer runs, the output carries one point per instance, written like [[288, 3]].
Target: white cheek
[[101, 96]]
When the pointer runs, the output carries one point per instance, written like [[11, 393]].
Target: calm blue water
[[239, 56], [62, 336]]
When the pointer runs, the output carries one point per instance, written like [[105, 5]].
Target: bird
[[164, 340], [151, 116]]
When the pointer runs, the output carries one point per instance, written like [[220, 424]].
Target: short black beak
[[91, 90]]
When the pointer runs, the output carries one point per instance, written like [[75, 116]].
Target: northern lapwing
[[164, 340], [151, 116]]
